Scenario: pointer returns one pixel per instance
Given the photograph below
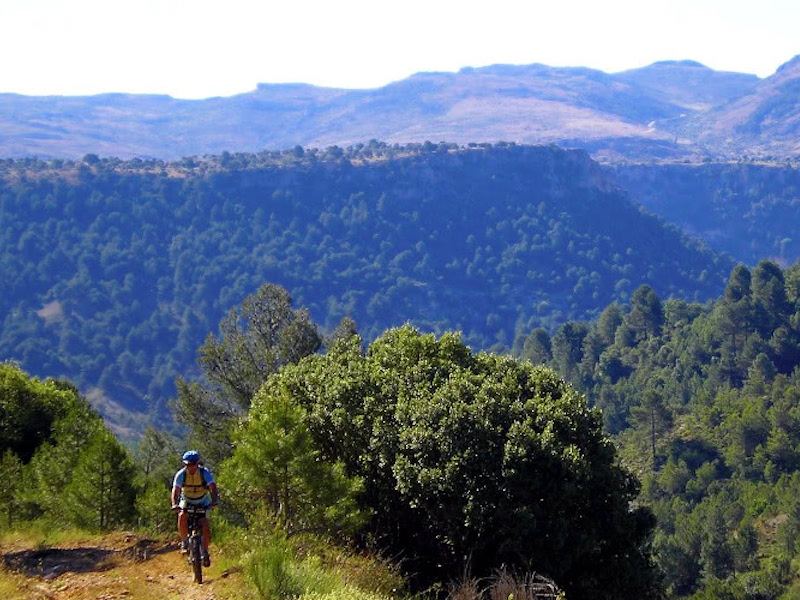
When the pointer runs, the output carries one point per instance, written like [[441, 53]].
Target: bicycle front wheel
[[197, 560]]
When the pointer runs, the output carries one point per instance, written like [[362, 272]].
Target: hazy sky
[[201, 48]]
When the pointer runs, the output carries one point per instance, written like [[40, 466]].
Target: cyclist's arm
[[176, 494], [212, 487], [177, 484]]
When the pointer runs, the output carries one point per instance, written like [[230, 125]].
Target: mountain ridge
[[669, 110]]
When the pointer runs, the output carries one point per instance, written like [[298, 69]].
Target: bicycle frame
[[195, 515]]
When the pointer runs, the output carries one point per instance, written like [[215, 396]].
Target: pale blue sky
[[201, 48]]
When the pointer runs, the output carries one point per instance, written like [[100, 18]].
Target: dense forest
[[703, 401], [745, 209], [113, 272], [448, 456]]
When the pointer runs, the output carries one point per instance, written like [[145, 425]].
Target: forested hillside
[[447, 456], [747, 210], [703, 400], [114, 272]]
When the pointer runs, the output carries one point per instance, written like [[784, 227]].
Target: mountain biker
[[194, 485]]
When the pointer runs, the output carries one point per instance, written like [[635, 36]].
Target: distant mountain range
[[666, 111]]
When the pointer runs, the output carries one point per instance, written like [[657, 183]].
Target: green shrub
[[269, 568], [344, 593], [308, 567], [152, 510]]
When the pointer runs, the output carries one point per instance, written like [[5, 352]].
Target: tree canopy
[[476, 459], [59, 459]]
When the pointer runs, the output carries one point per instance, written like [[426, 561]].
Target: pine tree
[[275, 465], [101, 493], [257, 339], [647, 313], [653, 417]]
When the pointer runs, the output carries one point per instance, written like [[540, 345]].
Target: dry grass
[[505, 586], [43, 534], [52, 312], [13, 586]]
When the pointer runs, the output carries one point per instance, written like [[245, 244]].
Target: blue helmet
[[191, 457]]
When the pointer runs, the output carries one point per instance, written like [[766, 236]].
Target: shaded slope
[[746, 210], [115, 273]]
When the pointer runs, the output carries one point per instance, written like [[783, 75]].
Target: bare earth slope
[[689, 84], [764, 122], [668, 110]]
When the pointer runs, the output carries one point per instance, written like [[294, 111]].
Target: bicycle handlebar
[[190, 508]]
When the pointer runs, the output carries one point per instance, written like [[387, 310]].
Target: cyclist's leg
[[206, 529], [206, 541], [183, 525]]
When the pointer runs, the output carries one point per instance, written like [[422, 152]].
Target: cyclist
[[193, 484]]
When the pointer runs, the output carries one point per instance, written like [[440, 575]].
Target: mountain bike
[[195, 516]]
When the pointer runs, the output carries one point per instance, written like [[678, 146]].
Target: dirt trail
[[121, 567]]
